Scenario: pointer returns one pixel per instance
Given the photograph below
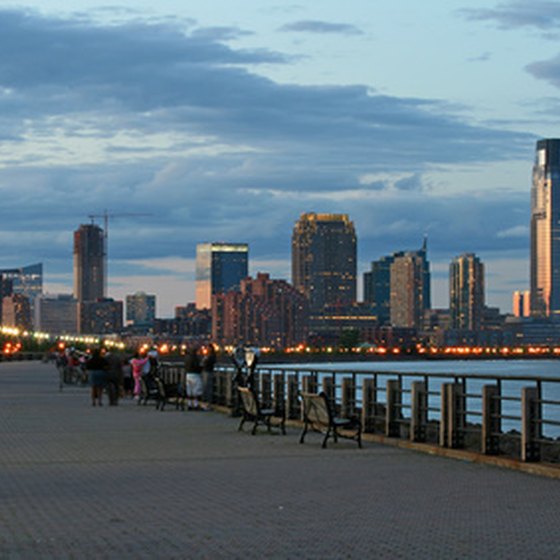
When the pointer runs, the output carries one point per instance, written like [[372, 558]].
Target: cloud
[[539, 14], [156, 118], [321, 27], [547, 70]]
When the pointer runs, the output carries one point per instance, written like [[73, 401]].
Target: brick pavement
[[130, 482]]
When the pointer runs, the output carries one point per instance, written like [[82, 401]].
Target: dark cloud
[[315, 26], [543, 15], [547, 70]]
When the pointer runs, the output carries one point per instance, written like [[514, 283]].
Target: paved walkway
[[130, 482]]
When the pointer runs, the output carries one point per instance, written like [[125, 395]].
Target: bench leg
[[327, 435], [302, 437]]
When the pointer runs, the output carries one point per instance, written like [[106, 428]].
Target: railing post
[[279, 394], [530, 424], [348, 407], [309, 383], [369, 404], [456, 418], [419, 411], [393, 412], [491, 419], [444, 415], [266, 390], [232, 395], [293, 397]]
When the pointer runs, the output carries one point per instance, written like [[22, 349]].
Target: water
[[493, 369]]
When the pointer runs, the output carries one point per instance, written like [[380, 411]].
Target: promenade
[[129, 482]]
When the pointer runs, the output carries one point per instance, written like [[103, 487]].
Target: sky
[[193, 122]]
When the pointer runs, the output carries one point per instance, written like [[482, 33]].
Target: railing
[[513, 416]]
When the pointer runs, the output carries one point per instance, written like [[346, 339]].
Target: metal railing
[[515, 416]]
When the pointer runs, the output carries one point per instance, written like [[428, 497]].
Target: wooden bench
[[318, 416], [252, 411]]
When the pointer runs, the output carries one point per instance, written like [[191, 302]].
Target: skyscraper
[[324, 259], [377, 288], [466, 292], [545, 230], [410, 288], [89, 263], [220, 267]]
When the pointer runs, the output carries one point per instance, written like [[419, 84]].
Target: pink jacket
[[137, 365]]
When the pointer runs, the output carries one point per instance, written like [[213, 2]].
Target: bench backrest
[[316, 408], [249, 400]]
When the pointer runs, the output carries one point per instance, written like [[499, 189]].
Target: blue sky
[[224, 121]]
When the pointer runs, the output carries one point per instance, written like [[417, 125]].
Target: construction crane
[[106, 215]]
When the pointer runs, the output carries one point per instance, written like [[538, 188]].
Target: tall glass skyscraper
[[220, 267], [324, 259], [466, 292], [89, 263], [545, 230]]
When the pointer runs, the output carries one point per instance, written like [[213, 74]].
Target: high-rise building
[[521, 303], [89, 263], [324, 259], [220, 267], [545, 230], [377, 288], [410, 288], [140, 309], [466, 292]]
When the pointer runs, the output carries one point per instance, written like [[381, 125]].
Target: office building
[[140, 310], [410, 288], [16, 312], [89, 263], [545, 230], [104, 316], [521, 303], [220, 267], [324, 259], [25, 280], [56, 314], [377, 288], [265, 312], [466, 292]]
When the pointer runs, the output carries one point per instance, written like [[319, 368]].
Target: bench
[[252, 411], [319, 417]]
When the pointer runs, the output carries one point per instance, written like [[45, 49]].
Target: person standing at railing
[[193, 379], [208, 363]]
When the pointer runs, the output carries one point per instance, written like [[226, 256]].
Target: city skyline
[[227, 122]]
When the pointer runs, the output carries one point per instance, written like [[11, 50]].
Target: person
[[137, 363], [193, 379], [97, 369], [151, 366], [114, 377], [208, 363]]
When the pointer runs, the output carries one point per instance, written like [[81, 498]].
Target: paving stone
[[131, 482]]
